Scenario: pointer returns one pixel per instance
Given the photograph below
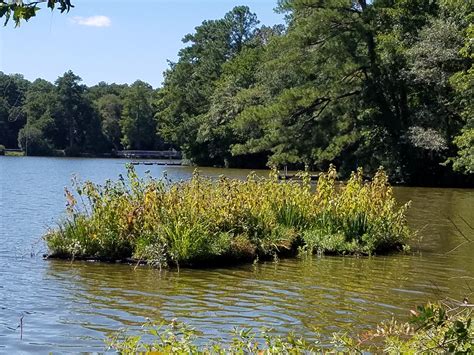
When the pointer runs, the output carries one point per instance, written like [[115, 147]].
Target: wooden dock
[[162, 163], [149, 154], [313, 177]]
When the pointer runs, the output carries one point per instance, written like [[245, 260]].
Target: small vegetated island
[[205, 221]]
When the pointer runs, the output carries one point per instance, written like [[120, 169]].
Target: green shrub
[[437, 328]]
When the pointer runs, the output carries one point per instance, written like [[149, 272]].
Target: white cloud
[[92, 21]]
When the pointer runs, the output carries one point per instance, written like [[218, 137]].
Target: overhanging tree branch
[[318, 106], [19, 10]]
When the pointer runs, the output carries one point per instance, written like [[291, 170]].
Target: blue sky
[[112, 40]]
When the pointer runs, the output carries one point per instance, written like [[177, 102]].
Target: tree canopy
[[69, 118], [354, 83]]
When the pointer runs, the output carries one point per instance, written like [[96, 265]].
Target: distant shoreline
[[463, 182]]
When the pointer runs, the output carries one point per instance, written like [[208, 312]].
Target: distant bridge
[[149, 154]]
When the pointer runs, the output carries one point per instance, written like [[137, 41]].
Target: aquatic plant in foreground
[[204, 220], [433, 328]]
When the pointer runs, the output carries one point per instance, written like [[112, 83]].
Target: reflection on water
[[73, 306]]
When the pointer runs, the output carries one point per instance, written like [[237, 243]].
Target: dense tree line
[[356, 83], [352, 82], [69, 118]]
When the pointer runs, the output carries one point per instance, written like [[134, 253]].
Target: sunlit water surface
[[71, 307]]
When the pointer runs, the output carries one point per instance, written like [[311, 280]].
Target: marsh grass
[[204, 220]]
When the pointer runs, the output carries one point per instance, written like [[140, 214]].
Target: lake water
[[71, 307]]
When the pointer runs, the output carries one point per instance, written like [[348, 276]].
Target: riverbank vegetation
[[353, 83], [228, 220], [434, 328], [69, 119]]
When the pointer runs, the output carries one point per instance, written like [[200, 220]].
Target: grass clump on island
[[204, 220], [437, 328]]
